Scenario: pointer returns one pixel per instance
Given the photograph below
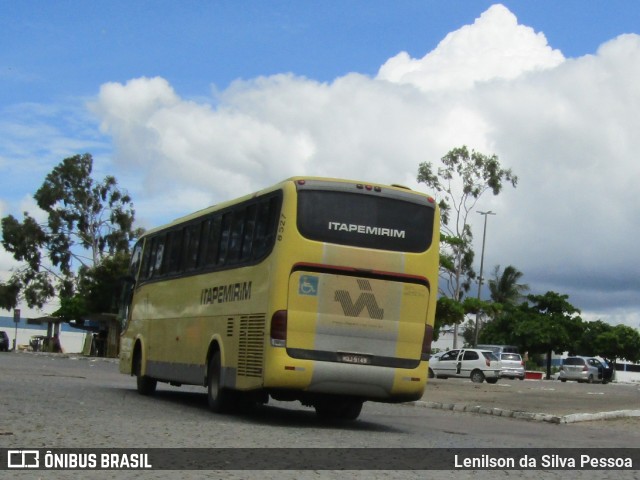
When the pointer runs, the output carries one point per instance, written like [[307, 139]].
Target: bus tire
[[145, 385], [219, 398], [477, 376]]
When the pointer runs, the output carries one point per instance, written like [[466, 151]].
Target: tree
[[610, 342], [96, 289], [543, 324], [627, 341], [593, 340], [9, 295], [505, 288], [87, 222], [460, 182], [505, 292]]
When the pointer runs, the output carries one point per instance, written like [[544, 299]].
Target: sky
[[191, 103]]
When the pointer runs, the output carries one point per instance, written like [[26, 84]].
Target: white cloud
[[494, 47], [568, 129]]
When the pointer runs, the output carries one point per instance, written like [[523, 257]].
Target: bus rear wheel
[[219, 398], [146, 385], [339, 409]]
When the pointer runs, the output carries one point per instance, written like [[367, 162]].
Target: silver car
[[584, 369], [512, 366], [478, 365]]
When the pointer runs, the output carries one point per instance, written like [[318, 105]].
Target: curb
[[537, 417]]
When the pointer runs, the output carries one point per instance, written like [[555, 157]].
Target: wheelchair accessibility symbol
[[308, 285]]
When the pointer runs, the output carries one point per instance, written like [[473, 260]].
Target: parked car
[[498, 349], [512, 366], [4, 341], [478, 365], [585, 369]]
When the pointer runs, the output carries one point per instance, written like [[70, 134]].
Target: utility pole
[[16, 320], [484, 236]]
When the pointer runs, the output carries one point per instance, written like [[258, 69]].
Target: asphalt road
[[56, 401], [550, 397]]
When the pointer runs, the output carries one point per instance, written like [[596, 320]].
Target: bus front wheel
[[146, 385], [219, 398]]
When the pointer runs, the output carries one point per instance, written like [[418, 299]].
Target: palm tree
[[505, 288]]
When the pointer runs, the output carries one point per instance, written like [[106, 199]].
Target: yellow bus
[[316, 290]]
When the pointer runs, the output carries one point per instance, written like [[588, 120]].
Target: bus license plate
[[353, 358]]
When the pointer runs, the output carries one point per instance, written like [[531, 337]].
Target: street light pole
[[484, 236]]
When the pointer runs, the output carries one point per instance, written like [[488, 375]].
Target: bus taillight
[[279, 329], [426, 342]]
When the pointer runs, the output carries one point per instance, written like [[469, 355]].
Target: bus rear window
[[365, 220]]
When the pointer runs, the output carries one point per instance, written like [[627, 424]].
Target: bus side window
[[204, 243], [136, 259], [266, 219], [156, 256], [236, 236], [174, 250], [274, 215], [149, 256], [146, 255], [191, 246], [213, 242], [249, 229], [225, 233]]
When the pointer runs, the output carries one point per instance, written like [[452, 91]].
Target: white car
[[585, 369], [512, 366], [478, 365]]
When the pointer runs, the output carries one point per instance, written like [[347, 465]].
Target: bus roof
[[273, 188]]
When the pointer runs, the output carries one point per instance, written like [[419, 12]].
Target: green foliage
[[505, 288], [459, 183], [448, 312], [477, 172], [24, 239], [549, 323], [542, 324], [499, 331], [94, 215], [87, 222], [72, 308], [98, 288], [100, 285], [619, 342], [9, 295]]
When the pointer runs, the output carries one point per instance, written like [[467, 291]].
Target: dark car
[[4, 341]]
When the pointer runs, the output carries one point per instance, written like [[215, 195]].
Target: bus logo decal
[[308, 285], [226, 293], [367, 230], [365, 300]]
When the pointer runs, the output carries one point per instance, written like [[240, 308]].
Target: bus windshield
[[382, 222]]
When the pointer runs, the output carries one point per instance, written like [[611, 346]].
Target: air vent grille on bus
[[230, 327], [251, 345]]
